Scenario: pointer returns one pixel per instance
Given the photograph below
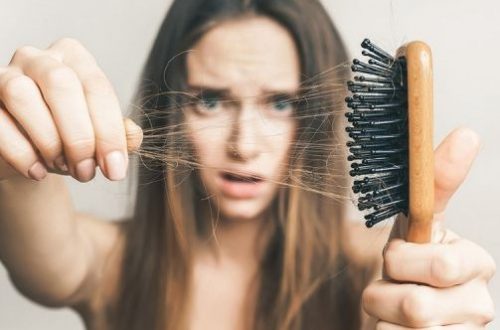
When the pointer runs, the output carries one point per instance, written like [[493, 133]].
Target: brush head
[[378, 131]]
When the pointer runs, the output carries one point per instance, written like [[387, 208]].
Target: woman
[[235, 227]]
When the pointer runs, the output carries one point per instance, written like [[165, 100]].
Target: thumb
[[134, 134], [453, 159]]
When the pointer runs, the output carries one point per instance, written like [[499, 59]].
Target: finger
[[17, 151], [24, 102], [103, 105], [134, 134], [63, 93], [439, 265], [23, 54], [415, 306], [381, 325], [134, 139], [453, 159]]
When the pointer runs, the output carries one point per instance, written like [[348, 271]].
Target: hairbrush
[[390, 129]]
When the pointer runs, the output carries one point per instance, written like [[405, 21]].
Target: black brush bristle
[[379, 133]]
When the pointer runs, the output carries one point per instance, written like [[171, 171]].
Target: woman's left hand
[[442, 284]]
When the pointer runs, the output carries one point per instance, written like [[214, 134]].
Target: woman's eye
[[282, 105], [208, 103]]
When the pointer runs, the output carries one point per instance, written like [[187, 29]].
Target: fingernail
[[85, 169], [467, 141], [60, 163], [115, 165], [133, 126], [37, 171]]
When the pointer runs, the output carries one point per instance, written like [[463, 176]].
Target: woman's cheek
[[281, 142], [207, 136]]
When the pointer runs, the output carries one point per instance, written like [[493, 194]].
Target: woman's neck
[[238, 242]]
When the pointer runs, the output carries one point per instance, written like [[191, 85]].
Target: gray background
[[464, 36]]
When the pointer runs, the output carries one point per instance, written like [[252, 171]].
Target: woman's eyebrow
[[282, 95], [269, 94], [208, 91]]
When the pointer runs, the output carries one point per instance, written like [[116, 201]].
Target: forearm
[[39, 237]]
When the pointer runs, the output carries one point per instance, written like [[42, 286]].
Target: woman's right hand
[[59, 114]]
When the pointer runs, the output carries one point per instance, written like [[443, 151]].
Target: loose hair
[[305, 280]]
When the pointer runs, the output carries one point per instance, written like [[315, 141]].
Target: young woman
[[239, 221]]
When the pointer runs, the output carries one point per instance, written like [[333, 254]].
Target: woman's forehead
[[255, 53]]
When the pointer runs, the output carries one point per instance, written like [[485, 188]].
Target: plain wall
[[464, 37]]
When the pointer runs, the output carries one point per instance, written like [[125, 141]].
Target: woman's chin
[[242, 210]]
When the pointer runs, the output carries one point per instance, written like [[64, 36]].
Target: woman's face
[[245, 73]]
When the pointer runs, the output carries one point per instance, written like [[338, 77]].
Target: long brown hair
[[304, 280]]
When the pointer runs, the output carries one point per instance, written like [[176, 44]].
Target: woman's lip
[[240, 189], [244, 175], [248, 177]]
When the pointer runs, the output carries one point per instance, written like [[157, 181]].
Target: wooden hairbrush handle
[[420, 140]]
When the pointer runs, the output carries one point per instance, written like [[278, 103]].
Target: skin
[[247, 130], [37, 88], [452, 272]]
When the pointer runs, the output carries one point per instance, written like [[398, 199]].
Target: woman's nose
[[245, 142]]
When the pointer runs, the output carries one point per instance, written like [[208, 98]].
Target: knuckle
[[61, 76], [392, 247], [486, 312], [488, 315], [67, 42], [368, 298], [113, 141], [82, 145], [416, 308], [97, 84], [73, 47], [17, 87], [491, 267], [23, 53], [390, 259], [51, 146], [445, 268]]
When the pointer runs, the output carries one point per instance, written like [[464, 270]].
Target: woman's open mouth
[[238, 185]]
